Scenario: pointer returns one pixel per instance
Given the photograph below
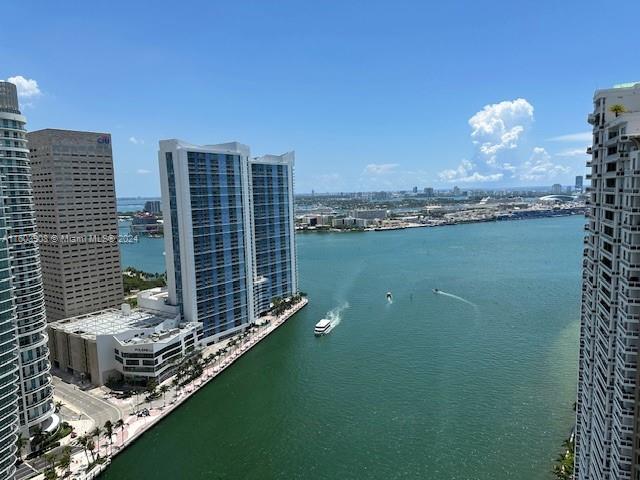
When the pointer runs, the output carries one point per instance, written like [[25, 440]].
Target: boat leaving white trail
[[335, 316], [455, 297]]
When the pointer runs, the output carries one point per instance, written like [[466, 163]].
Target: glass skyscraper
[[229, 236], [271, 183], [26, 392]]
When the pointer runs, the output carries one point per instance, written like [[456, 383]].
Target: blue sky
[[370, 95]]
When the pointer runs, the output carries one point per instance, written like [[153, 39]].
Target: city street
[[97, 409]]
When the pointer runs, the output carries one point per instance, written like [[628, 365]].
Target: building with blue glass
[[273, 228], [229, 233]]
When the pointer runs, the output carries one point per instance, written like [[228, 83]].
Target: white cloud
[[497, 131], [142, 171], [540, 167], [499, 126], [380, 168], [572, 152], [27, 87], [580, 137], [136, 141], [465, 174]]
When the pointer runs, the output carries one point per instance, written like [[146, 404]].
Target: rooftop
[[111, 321]]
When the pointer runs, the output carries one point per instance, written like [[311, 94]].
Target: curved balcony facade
[[35, 408]]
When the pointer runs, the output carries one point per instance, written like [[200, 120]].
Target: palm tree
[[163, 390], [91, 446], [108, 432], [50, 474], [96, 432], [50, 458], [58, 405], [617, 109], [37, 439], [152, 385], [65, 460], [21, 442], [120, 424], [175, 383], [83, 440]]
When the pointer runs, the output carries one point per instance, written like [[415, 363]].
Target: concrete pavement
[[97, 409]]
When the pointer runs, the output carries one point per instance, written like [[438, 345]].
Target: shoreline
[[322, 229], [136, 426]]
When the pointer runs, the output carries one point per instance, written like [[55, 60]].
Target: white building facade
[[35, 395], [607, 429], [124, 344]]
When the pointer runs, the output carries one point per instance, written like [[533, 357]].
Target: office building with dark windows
[[75, 201], [229, 233]]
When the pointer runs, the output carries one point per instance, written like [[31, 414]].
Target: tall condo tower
[[608, 419], [34, 379], [229, 233], [75, 201], [207, 234], [10, 132], [273, 228]]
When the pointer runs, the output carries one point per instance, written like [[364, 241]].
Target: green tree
[[21, 442], [96, 432], [50, 458], [108, 433], [163, 390], [91, 446], [65, 460], [617, 109], [50, 474], [120, 424], [37, 438], [83, 440]]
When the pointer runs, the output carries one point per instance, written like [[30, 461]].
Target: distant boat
[[435, 290], [389, 296], [322, 327]]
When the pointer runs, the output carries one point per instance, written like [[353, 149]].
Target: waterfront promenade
[[134, 426]]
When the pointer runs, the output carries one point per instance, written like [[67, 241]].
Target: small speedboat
[[322, 327], [435, 290], [389, 296]]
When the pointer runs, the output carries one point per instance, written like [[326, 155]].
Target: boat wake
[[456, 297], [335, 315]]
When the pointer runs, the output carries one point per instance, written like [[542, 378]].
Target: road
[[32, 467], [95, 408]]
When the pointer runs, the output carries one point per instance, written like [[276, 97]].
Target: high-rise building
[[229, 232], [9, 357], [579, 183], [456, 191], [428, 191], [273, 228], [608, 420], [153, 206], [33, 380], [75, 201], [556, 189]]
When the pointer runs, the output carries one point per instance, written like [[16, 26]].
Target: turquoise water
[[428, 387], [146, 254]]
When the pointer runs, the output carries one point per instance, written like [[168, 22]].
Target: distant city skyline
[[382, 103]]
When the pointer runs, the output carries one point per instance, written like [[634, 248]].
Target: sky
[[370, 95]]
